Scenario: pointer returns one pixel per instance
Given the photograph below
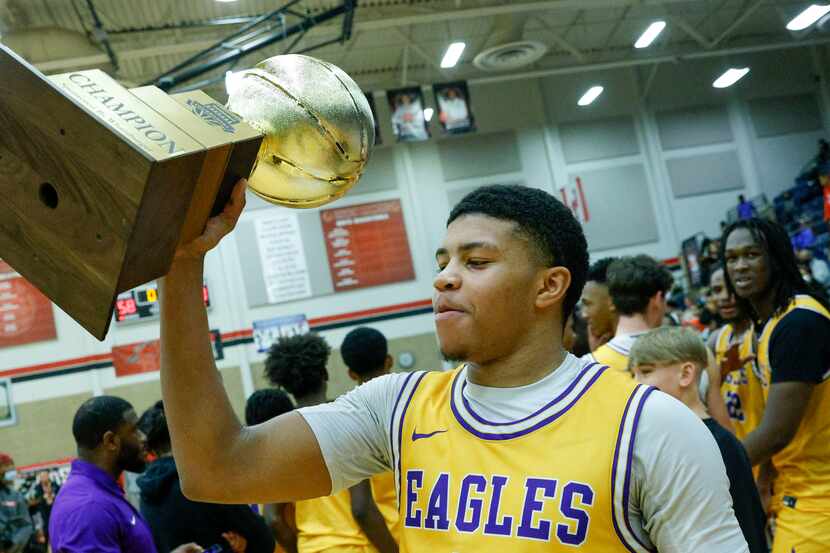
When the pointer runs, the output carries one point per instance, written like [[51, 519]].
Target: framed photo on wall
[[408, 122], [8, 416], [454, 110]]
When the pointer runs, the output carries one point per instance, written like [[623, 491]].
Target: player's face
[[724, 301], [485, 290], [665, 378], [747, 264], [598, 308]]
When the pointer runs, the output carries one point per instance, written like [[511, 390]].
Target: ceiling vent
[[512, 55]]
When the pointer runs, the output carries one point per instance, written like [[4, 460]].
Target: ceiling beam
[[693, 33], [738, 22], [561, 42]]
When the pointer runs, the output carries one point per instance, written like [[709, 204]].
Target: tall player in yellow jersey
[[522, 448], [365, 352], [638, 286], [794, 357], [734, 348], [345, 522]]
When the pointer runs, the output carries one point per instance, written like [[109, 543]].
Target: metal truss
[[258, 33]]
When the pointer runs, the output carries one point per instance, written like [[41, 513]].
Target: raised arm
[[220, 460]]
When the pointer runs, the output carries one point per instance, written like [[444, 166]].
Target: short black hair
[[599, 270], [364, 350], [551, 227], [264, 405], [97, 416], [298, 364], [633, 281], [153, 423]]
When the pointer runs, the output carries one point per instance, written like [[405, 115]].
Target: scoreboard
[[142, 303]]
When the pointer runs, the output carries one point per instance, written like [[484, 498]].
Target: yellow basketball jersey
[[327, 524], [804, 465], [614, 358], [741, 389], [555, 481], [383, 492]]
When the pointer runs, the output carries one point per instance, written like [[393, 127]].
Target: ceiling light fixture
[[650, 34], [591, 95], [808, 17], [452, 55], [730, 77]]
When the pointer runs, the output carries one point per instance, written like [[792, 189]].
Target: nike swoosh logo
[[416, 436]]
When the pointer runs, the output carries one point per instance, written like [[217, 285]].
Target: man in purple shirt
[[91, 513]]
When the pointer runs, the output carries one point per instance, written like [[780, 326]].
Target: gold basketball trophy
[[99, 184]]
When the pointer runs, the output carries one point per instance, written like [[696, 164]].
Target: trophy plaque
[[99, 184]]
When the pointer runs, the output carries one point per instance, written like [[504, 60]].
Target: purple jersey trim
[[627, 481], [559, 398], [518, 433], [400, 431], [392, 419]]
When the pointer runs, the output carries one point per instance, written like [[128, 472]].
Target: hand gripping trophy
[[100, 184]]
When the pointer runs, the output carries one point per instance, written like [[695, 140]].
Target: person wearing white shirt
[[508, 427]]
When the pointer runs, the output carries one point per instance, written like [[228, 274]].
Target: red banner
[[25, 314], [142, 357], [367, 245]]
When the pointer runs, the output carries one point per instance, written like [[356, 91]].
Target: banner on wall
[[367, 245], [573, 196], [371, 99], [408, 122], [281, 253], [145, 357], [454, 110], [25, 314], [268, 331]]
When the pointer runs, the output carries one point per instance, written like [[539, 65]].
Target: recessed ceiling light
[[452, 55], [650, 34], [591, 95], [808, 17], [730, 77]]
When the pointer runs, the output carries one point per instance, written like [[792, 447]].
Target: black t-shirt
[[745, 499], [799, 348]]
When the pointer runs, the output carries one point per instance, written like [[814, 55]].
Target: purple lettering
[[414, 482], [437, 517], [493, 526], [533, 505], [580, 516], [465, 503]]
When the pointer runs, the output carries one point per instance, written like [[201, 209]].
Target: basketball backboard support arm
[[261, 32]]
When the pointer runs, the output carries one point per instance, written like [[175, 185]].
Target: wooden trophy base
[[99, 184]]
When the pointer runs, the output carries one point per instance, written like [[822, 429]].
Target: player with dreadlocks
[[793, 357]]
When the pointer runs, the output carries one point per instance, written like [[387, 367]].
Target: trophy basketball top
[[99, 184]]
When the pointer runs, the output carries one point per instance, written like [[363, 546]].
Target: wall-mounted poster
[[371, 99], [25, 314], [145, 357], [267, 332], [454, 110], [408, 122], [281, 253], [367, 245], [8, 416]]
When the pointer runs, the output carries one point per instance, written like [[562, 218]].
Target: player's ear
[[552, 286], [688, 372]]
